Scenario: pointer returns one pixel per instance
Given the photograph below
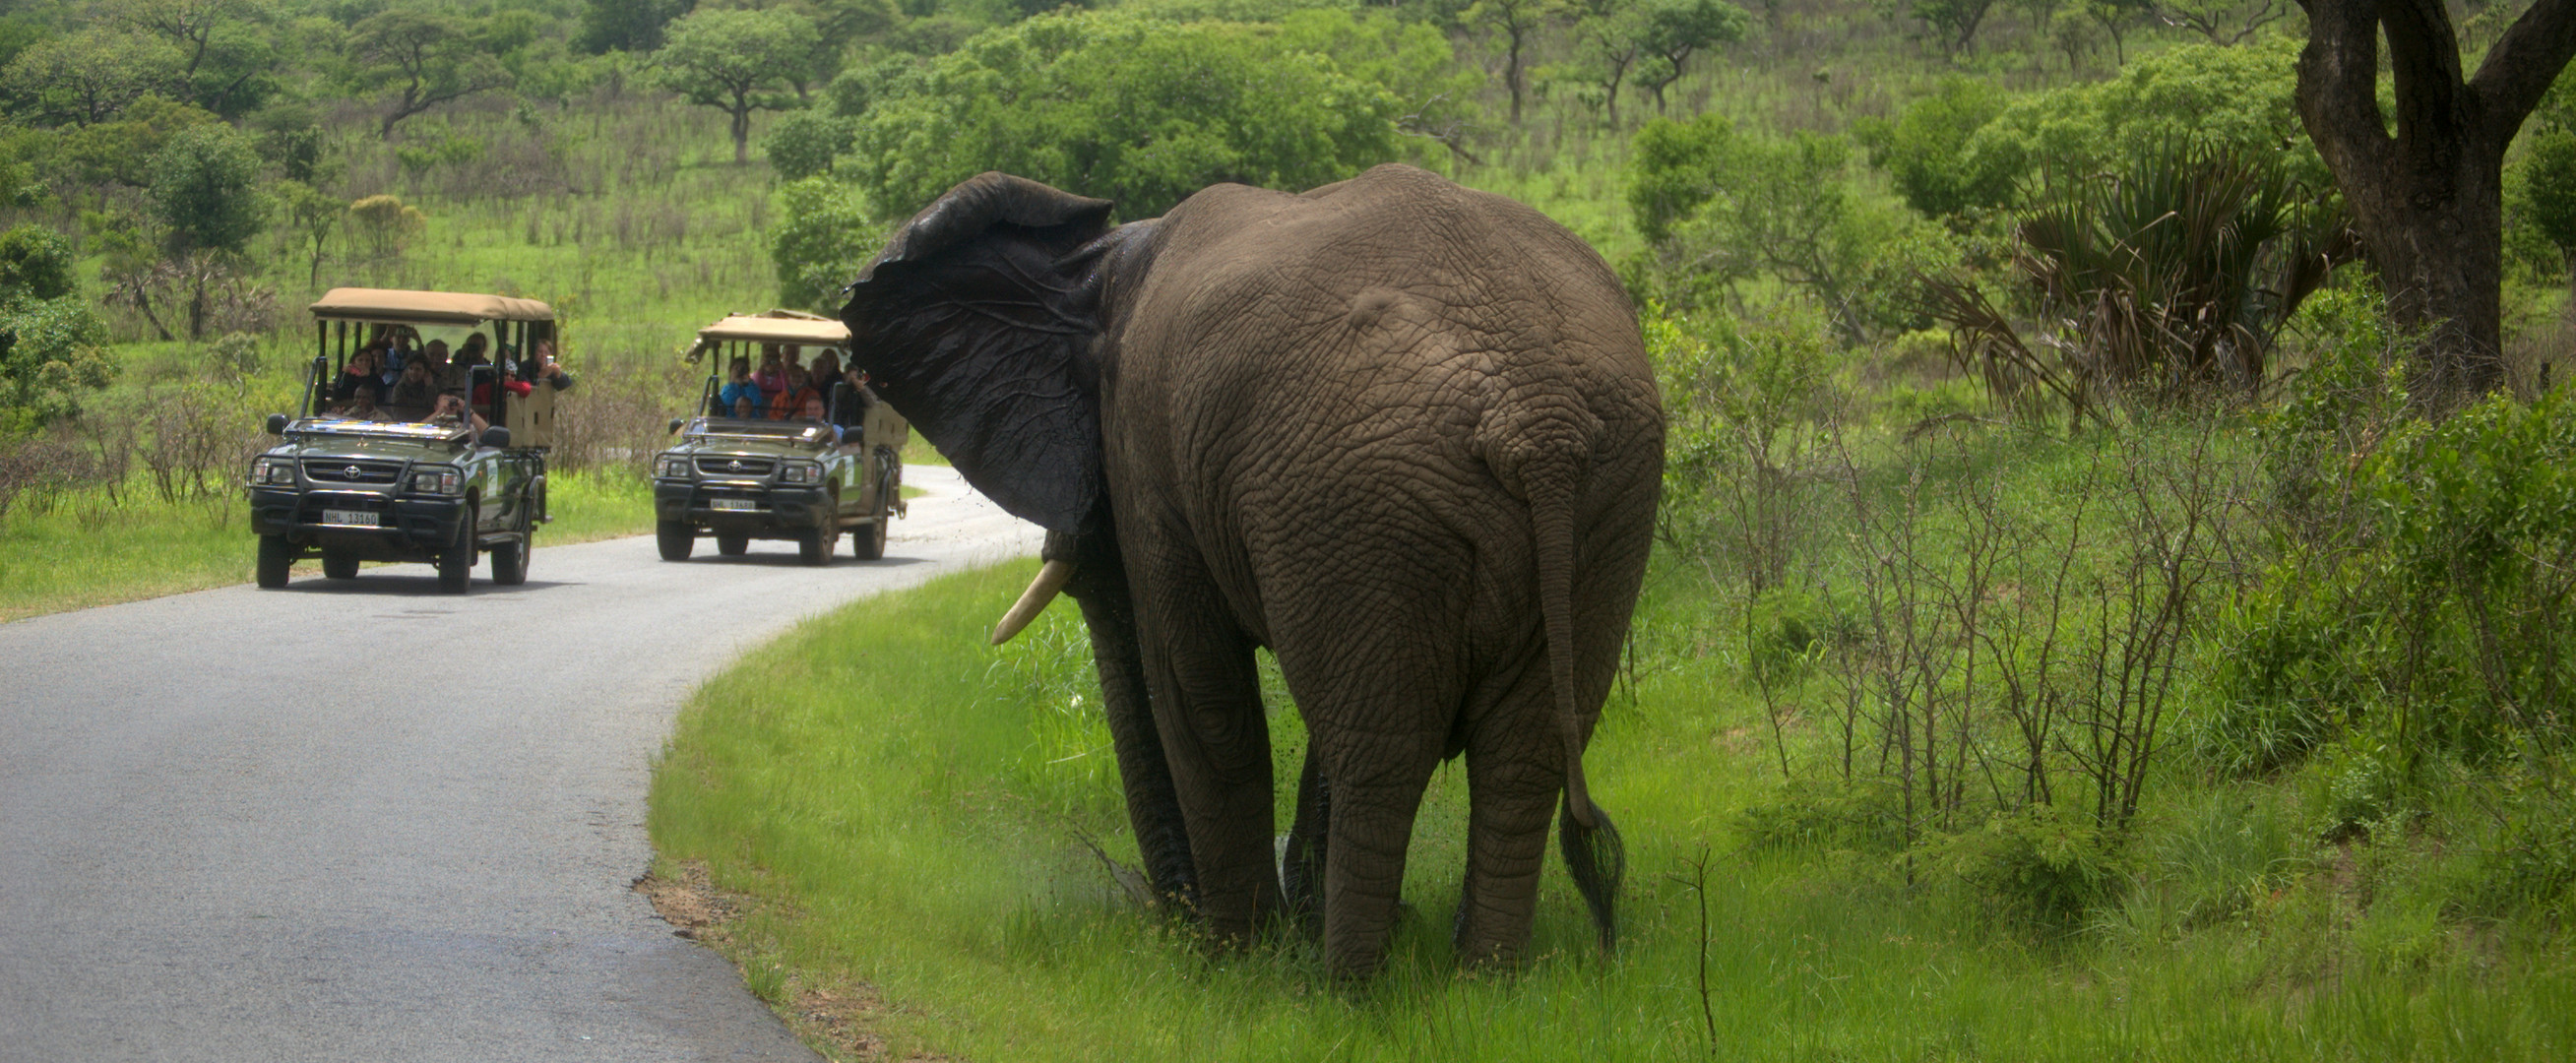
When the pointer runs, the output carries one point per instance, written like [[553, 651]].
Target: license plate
[[735, 503], [359, 517]]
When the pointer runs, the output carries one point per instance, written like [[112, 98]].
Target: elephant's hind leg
[[1515, 771], [1375, 796]]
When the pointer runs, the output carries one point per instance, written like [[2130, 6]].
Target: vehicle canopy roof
[[386, 306], [778, 326]]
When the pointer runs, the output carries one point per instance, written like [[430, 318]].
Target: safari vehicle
[[742, 478], [402, 485]]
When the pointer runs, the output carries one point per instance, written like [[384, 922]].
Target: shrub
[[2035, 867]]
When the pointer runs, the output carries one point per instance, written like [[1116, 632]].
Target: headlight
[[800, 473], [671, 468], [437, 481], [273, 472]]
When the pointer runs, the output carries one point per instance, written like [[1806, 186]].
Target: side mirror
[[676, 423], [277, 424], [496, 437]]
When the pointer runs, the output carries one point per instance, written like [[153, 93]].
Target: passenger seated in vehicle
[[418, 389], [363, 368], [510, 382], [540, 367], [791, 402], [744, 409], [434, 355], [361, 405], [451, 412], [772, 374], [813, 411], [739, 387]]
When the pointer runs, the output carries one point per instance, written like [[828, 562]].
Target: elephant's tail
[[1542, 450], [1590, 843]]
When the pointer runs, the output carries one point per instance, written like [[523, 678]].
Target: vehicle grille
[[344, 471], [735, 468]]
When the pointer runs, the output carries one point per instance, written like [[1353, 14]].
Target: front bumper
[[404, 525], [772, 509]]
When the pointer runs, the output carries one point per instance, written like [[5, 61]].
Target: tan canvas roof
[[426, 308], [820, 332]]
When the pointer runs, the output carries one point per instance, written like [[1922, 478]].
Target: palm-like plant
[[2172, 277]]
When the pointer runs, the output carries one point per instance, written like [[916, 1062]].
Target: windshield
[[764, 431], [338, 426]]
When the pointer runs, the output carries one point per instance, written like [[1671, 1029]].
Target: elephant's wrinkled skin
[[1401, 433]]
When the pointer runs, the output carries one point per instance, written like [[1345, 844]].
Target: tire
[[339, 565], [676, 538], [732, 544], [868, 543], [276, 557], [510, 560], [814, 546], [456, 562]]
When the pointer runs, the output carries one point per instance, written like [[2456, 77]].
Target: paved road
[[365, 821]]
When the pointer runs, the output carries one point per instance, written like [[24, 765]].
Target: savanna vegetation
[[2108, 600]]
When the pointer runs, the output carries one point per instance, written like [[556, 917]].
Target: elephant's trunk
[[1051, 580]]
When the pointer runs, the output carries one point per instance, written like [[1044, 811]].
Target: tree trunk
[[2428, 200], [741, 112]]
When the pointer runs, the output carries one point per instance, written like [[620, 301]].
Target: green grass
[[89, 549], [903, 803]]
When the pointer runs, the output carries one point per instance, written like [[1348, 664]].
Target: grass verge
[[86, 548], [903, 809]]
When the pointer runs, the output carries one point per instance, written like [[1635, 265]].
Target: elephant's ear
[[976, 323]]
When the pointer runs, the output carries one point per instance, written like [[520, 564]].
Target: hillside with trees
[[2121, 497]]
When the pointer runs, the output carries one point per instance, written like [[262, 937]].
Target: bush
[[803, 144], [2035, 867]]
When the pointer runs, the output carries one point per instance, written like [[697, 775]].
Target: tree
[[426, 59], [2222, 22], [627, 25], [89, 76], [1133, 109], [1721, 206], [2427, 197], [1676, 29], [227, 64], [822, 238], [1925, 150], [206, 188], [51, 346], [1519, 21], [36, 262], [1956, 21], [1612, 37], [736, 61], [312, 217]]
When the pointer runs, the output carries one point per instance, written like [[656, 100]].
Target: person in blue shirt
[[739, 386]]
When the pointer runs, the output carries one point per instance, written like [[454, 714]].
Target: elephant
[[1400, 433]]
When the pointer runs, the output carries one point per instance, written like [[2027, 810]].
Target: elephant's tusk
[[1042, 590]]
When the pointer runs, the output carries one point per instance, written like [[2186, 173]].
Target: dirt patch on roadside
[[837, 1019]]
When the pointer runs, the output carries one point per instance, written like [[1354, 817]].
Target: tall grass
[[906, 806]]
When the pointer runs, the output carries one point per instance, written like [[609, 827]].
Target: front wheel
[[869, 543], [676, 538], [276, 556], [510, 560], [456, 562], [814, 545]]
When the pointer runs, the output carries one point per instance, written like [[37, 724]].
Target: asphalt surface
[[361, 820]]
